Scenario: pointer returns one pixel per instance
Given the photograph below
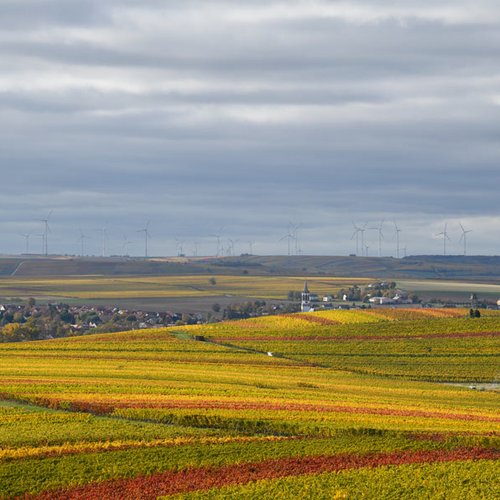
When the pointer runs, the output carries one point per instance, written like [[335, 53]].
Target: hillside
[[478, 268], [344, 404]]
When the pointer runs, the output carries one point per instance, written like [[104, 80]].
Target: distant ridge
[[478, 268]]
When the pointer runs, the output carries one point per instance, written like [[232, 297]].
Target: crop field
[[441, 345], [452, 290], [84, 288], [337, 404], [98, 287]]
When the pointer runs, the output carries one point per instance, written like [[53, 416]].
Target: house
[[381, 300]]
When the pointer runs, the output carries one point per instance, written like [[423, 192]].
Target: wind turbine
[[464, 237], [195, 248], [294, 231], [444, 234], [218, 236], [146, 237], [251, 243], [82, 239], [289, 236], [104, 233], [231, 246], [126, 244], [27, 242], [356, 234], [179, 247], [46, 232], [397, 231], [380, 236]]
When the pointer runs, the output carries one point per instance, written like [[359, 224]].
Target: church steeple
[[305, 305]]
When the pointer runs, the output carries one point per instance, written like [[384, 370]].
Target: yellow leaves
[[25, 452], [11, 330]]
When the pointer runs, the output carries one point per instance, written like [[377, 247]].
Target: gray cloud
[[207, 115]]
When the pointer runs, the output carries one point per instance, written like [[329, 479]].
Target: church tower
[[305, 305]]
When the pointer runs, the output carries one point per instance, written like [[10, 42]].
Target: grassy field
[[350, 405], [98, 287], [454, 290], [452, 267], [141, 288]]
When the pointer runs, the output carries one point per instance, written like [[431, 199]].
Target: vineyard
[[334, 404]]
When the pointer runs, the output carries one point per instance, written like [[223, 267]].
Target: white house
[[382, 300]]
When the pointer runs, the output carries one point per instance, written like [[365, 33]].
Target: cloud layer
[[234, 118]]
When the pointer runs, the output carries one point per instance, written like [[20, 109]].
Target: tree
[[212, 281], [67, 317]]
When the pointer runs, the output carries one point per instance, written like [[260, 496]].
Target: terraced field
[[347, 404]]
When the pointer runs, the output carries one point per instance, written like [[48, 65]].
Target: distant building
[[382, 300], [305, 305]]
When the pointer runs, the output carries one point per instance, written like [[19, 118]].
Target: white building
[[305, 305], [382, 300]]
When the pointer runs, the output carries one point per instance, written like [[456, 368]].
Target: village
[[33, 321], [30, 320]]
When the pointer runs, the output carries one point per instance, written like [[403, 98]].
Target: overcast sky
[[234, 118]]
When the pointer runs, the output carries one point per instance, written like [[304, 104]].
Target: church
[[305, 305]]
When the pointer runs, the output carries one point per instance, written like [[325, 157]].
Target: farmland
[[83, 288], [199, 292], [350, 403]]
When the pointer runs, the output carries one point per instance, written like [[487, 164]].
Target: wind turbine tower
[[146, 237], [289, 236], [180, 247], [464, 237], [357, 230], [46, 231], [380, 237], [444, 234], [294, 231], [125, 245], [82, 239], [397, 230], [218, 236], [104, 233], [195, 248], [27, 242]]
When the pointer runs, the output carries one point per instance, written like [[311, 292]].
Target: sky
[[236, 119]]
